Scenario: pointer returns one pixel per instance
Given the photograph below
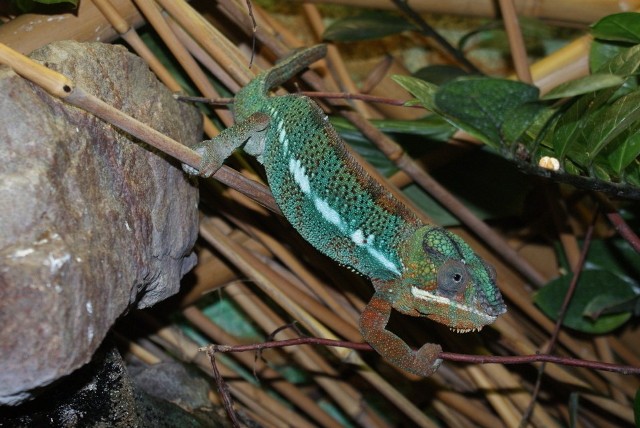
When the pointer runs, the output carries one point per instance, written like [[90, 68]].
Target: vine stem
[[449, 356]]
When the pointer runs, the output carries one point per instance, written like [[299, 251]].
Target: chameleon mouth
[[430, 297], [465, 330]]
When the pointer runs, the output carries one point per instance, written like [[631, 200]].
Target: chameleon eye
[[452, 277]]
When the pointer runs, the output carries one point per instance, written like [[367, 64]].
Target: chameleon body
[[418, 269]]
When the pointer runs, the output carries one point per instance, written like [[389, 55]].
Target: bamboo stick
[[516, 43], [348, 398], [275, 380], [130, 35], [86, 25], [189, 65], [252, 396], [570, 11], [337, 63]]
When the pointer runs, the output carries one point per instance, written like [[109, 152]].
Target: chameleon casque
[[416, 268]]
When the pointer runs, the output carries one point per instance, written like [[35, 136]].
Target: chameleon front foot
[[249, 133], [209, 164], [424, 361], [373, 322]]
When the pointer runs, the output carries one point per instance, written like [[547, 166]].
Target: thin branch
[[449, 356], [561, 315], [618, 222], [624, 230], [441, 42], [223, 390], [311, 94]]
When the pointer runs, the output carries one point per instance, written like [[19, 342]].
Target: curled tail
[[291, 65], [248, 100]]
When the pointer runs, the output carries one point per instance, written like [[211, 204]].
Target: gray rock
[[101, 394], [93, 223], [174, 382]]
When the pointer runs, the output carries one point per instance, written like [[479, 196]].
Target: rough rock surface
[[101, 394], [93, 223]]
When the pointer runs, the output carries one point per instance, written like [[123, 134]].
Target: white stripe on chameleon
[[383, 259], [328, 213], [357, 237], [425, 295], [332, 216], [284, 140], [297, 170]]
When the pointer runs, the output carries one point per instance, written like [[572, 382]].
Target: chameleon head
[[446, 281]]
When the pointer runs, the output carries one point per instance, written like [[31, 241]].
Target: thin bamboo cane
[[275, 380], [572, 11], [451, 418], [337, 64], [85, 25], [472, 410], [190, 66], [516, 43], [208, 37], [349, 399], [253, 397], [130, 35], [507, 410]]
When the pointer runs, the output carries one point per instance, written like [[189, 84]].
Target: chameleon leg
[[373, 322], [214, 152]]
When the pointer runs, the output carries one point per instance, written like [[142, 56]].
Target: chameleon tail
[[252, 96], [292, 65]]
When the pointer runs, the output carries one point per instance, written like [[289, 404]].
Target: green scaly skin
[[418, 269]]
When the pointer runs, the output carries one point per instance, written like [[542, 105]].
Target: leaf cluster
[[588, 125]]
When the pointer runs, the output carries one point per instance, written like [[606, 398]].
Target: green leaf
[[568, 137], [591, 284], [366, 26], [519, 119], [583, 85], [424, 91], [625, 63], [609, 122], [626, 152], [479, 105], [601, 52], [431, 126], [621, 27], [616, 256], [439, 74], [606, 304]]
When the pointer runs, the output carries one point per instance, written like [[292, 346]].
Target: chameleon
[[416, 268]]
